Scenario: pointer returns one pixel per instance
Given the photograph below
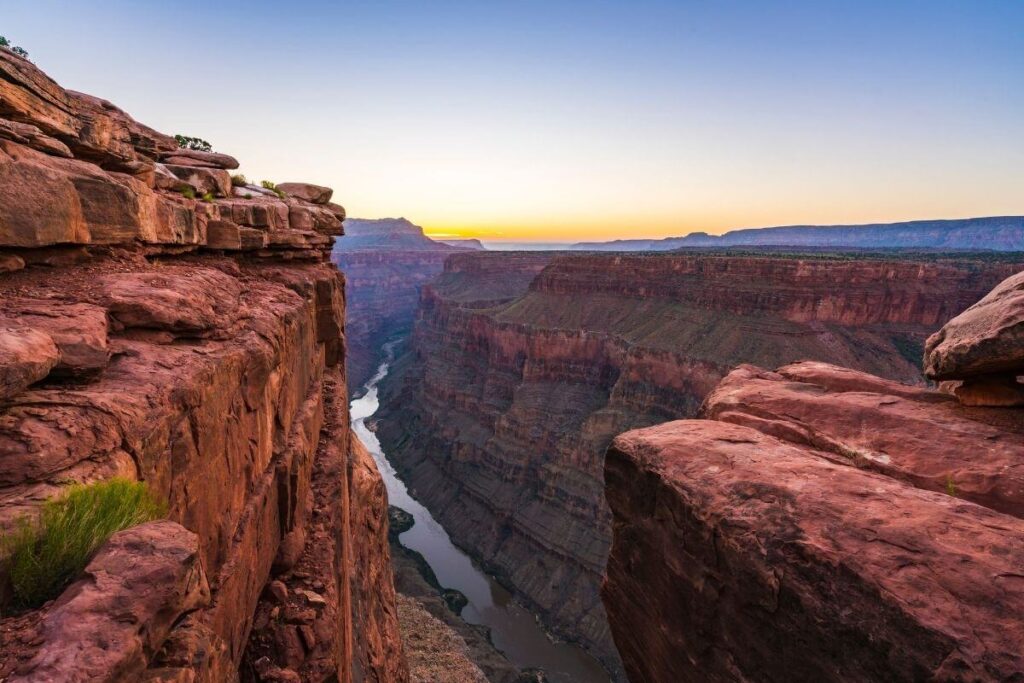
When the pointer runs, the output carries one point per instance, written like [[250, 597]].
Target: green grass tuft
[[188, 193], [46, 553], [208, 197], [239, 180]]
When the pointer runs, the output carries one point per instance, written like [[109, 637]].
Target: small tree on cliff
[[198, 144], [6, 44]]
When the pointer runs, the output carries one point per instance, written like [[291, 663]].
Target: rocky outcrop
[[824, 524], [386, 262], [523, 367], [197, 345]]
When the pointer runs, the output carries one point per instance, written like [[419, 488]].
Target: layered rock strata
[[523, 367], [196, 345], [386, 262], [829, 525]]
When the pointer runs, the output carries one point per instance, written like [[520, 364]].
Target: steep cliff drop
[[386, 262], [196, 345], [823, 524], [523, 367]]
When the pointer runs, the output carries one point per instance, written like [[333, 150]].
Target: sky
[[572, 120]]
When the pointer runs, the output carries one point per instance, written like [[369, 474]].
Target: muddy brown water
[[514, 629]]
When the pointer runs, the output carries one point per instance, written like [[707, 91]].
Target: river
[[514, 630]]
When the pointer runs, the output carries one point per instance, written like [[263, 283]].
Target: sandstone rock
[[307, 192], [31, 136], [204, 301], [987, 338], [737, 556], [194, 157], [337, 209], [78, 330], [26, 356], [10, 263], [206, 180], [876, 429], [106, 626], [163, 179], [1003, 391], [436, 653]]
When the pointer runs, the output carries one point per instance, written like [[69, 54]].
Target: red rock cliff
[[198, 346], [523, 367], [829, 525]]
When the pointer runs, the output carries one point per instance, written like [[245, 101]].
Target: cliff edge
[[162, 322], [824, 524]]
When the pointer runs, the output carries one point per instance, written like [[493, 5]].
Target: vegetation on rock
[[239, 180], [46, 553], [16, 49], [198, 144]]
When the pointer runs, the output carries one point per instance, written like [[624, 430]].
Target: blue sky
[[576, 120]]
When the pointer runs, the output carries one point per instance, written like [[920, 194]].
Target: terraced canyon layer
[[523, 367], [198, 346], [386, 262], [825, 524]]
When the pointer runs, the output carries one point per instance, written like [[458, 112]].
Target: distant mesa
[[996, 233], [394, 234]]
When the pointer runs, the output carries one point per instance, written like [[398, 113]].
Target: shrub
[[273, 188], [188, 193], [239, 180], [47, 553], [208, 197], [950, 486], [248, 195], [4, 42], [198, 144]]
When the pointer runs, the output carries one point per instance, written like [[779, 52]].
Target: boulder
[[914, 435], [78, 330], [986, 339], [206, 180], [108, 625], [307, 192], [197, 304], [194, 157], [10, 263], [26, 356]]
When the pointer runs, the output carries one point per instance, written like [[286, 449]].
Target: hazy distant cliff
[[1000, 233], [524, 366], [385, 262]]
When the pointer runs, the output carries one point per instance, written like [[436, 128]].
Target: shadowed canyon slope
[[386, 262], [522, 368], [198, 346], [829, 525]]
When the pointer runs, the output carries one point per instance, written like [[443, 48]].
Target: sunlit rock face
[[826, 524], [196, 345], [386, 262], [523, 367]]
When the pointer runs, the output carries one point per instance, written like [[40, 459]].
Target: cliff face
[[523, 367], [386, 262], [825, 524], [197, 346]]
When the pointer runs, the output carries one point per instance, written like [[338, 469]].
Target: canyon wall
[[523, 367], [386, 262], [196, 345], [825, 524]]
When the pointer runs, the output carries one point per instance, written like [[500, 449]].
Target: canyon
[[522, 368], [164, 322], [386, 262]]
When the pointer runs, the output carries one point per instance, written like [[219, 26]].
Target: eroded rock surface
[[823, 524], [197, 345]]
